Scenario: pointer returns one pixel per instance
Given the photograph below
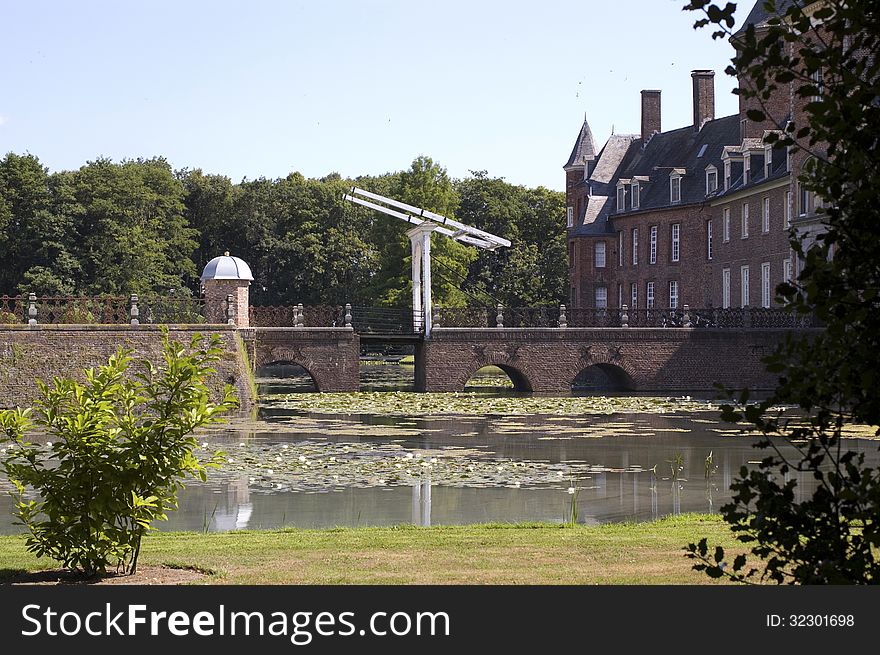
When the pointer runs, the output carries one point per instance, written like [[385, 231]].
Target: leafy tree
[[534, 270], [826, 56], [121, 445]]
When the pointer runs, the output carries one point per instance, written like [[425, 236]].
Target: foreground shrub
[[120, 446]]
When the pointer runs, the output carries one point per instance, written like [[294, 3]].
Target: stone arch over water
[[517, 375], [603, 376]]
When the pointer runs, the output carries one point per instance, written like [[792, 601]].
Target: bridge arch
[[292, 356], [521, 380], [307, 374], [603, 376]]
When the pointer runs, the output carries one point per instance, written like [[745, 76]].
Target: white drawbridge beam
[[424, 223]]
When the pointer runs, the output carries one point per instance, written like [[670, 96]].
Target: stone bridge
[[544, 360]]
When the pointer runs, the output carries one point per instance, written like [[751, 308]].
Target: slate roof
[[584, 148], [594, 219], [678, 149], [759, 15]]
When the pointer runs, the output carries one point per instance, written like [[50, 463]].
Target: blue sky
[[264, 88]]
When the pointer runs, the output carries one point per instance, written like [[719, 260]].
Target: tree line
[[138, 226]]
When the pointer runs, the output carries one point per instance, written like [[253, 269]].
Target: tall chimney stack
[[704, 96], [650, 114]]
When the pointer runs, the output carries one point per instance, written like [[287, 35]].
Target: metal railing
[[100, 310], [365, 320]]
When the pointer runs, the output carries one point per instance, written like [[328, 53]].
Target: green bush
[[120, 447]]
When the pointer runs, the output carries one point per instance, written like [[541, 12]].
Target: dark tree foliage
[[139, 227], [826, 53]]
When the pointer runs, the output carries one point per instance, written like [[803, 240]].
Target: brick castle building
[[699, 215]]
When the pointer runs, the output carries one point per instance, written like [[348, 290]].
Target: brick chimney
[[650, 114], [704, 96]]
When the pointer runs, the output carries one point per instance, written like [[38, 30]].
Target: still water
[[294, 467]]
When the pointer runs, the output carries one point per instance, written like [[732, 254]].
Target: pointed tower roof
[[584, 149]]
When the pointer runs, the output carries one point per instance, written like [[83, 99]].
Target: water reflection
[[303, 470]]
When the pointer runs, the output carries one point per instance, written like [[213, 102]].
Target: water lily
[[270, 472], [48, 444], [302, 458], [285, 447], [571, 490], [229, 460], [241, 445], [204, 444]]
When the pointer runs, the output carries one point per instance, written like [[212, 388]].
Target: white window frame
[[709, 239], [725, 288], [747, 168], [675, 188], [635, 193], [788, 208], [768, 161], [711, 174], [765, 284], [619, 295], [673, 294], [765, 214], [804, 200], [725, 225], [599, 250], [744, 285], [601, 297], [745, 221], [634, 295], [620, 248], [621, 197], [649, 295], [569, 216], [635, 246], [652, 252], [676, 241], [786, 270], [727, 174]]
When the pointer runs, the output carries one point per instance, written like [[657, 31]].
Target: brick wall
[[649, 359], [759, 247], [47, 351], [330, 355]]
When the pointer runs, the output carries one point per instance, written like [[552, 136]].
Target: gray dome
[[227, 268]]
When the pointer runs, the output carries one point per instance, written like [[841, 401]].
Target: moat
[[489, 455]]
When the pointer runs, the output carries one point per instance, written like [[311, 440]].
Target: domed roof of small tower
[[227, 267]]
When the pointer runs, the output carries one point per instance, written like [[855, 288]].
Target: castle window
[[725, 288], [635, 240], [745, 221], [676, 246], [675, 188], [725, 225], [673, 295], [635, 192], [711, 180], [600, 254], [634, 295], [744, 286], [649, 295], [747, 167], [652, 259], [601, 297], [765, 284], [765, 215], [768, 161], [569, 216], [621, 196], [726, 175], [709, 239]]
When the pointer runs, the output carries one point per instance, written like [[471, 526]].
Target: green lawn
[[633, 553]]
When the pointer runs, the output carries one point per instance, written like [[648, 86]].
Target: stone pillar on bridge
[[227, 276]]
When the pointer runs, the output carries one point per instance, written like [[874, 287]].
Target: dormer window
[[711, 180], [635, 192], [747, 159], [768, 161], [621, 195], [726, 175], [675, 186]]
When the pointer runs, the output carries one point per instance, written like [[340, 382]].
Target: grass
[[611, 554]]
